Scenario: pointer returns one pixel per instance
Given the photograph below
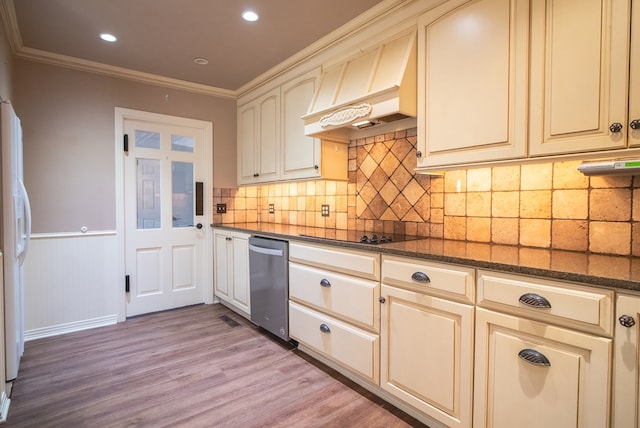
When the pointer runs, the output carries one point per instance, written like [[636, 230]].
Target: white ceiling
[[162, 37]]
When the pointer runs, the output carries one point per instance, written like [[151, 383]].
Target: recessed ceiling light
[[108, 37], [249, 15], [201, 61]]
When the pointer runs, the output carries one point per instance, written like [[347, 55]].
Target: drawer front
[[349, 346], [429, 277], [360, 263], [349, 298], [580, 307]]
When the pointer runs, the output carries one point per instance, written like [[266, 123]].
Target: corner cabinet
[[626, 372], [231, 266], [258, 139], [272, 145], [472, 82]]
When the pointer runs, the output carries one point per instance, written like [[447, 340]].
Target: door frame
[[122, 114]]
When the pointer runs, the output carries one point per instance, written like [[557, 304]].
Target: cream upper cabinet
[[300, 154], [580, 75], [259, 139], [626, 396], [472, 82]]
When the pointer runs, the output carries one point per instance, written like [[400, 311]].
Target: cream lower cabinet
[[427, 341], [231, 270], [532, 373], [334, 309], [626, 386]]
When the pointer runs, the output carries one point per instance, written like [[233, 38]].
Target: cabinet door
[[472, 82], [626, 398], [247, 144], [269, 135], [427, 354], [634, 77], [223, 276], [240, 282], [579, 75], [300, 154], [516, 387]]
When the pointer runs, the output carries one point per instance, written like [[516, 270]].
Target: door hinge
[[126, 143], [126, 283]]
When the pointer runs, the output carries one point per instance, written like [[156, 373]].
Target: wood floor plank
[[201, 366]]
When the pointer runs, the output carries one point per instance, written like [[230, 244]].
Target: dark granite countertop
[[620, 272]]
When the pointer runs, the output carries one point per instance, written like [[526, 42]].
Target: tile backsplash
[[544, 205]]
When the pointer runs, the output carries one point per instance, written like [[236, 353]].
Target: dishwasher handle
[[267, 251]]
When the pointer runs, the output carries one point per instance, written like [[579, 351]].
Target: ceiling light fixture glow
[[249, 15], [108, 37], [201, 61]]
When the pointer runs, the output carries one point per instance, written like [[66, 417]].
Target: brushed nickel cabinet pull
[[325, 283], [325, 328], [534, 357], [533, 300]]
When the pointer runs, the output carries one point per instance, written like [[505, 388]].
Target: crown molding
[[10, 22], [121, 73]]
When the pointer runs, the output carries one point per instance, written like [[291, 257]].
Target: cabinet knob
[[382, 299], [228, 238], [419, 154], [635, 124], [615, 127], [316, 167], [534, 357], [533, 300], [325, 282], [627, 321], [256, 175], [421, 277], [325, 328]]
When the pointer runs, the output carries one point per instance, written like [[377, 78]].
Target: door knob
[[199, 226]]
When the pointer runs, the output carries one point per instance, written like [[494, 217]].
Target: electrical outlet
[[221, 208], [324, 210], [272, 209]]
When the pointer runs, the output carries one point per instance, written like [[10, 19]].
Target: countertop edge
[[593, 280]]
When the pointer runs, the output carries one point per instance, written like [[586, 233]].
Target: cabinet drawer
[[360, 263], [351, 347], [353, 299], [580, 307], [429, 277]]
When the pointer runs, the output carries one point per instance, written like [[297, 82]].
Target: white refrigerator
[[16, 231]]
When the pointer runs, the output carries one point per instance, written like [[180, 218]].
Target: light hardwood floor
[[201, 366]]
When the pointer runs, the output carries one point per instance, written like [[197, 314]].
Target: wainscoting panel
[[71, 283]]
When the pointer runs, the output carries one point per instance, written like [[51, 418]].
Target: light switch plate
[[324, 210], [221, 208]]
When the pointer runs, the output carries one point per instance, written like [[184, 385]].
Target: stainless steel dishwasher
[[269, 284]]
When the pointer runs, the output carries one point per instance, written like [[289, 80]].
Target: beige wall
[[6, 66], [69, 142]]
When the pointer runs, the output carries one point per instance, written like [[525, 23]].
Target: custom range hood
[[376, 86]]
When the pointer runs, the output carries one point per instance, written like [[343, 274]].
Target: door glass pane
[[147, 140], [182, 183], [180, 143], [148, 194]]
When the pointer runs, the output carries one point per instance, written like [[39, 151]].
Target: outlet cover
[[272, 209], [221, 208], [324, 210]]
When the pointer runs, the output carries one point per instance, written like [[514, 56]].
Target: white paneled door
[[165, 212]]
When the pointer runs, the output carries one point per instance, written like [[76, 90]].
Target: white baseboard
[[4, 407], [71, 327]]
